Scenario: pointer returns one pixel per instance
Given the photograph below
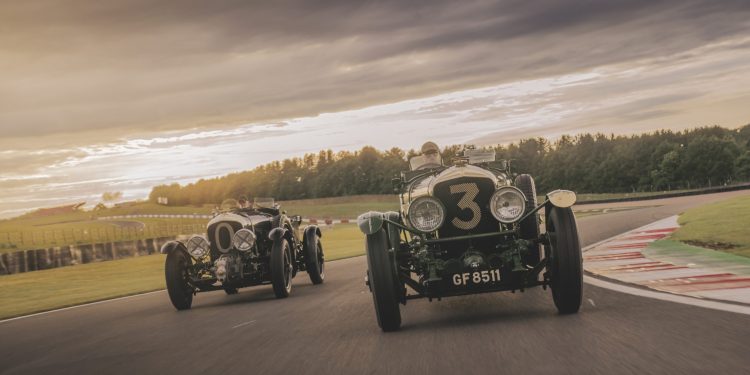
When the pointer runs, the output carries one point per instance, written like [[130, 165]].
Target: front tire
[[230, 291], [176, 272], [281, 268], [530, 226], [566, 263], [382, 282], [314, 260]]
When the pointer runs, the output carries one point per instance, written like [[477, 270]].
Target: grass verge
[[719, 226], [31, 292]]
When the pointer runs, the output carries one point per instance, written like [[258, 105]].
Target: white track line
[[740, 309], [77, 306], [243, 324]]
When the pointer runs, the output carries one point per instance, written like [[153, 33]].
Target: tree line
[[586, 163]]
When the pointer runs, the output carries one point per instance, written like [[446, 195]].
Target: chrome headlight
[[244, 239], [508, 204], [426, 214], [198, 247]]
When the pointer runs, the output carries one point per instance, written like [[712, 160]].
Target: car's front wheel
[[566, 264], [314, 260], [382, 281], [281, 268], [176, 270]]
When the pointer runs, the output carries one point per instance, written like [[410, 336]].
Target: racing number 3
[[469, 191]]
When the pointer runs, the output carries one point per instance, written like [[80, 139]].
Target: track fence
[[23, 240]]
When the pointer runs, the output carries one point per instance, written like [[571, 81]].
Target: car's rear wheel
[[314, 260], [530, 226], [230, 291], [382, 281], [566, 264], [176, 270], [281, 268]]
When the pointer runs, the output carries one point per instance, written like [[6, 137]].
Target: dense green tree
[[742, 166], [594, 163]]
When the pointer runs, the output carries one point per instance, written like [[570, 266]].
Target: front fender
[[279, 234], [172, 246], [311, 231], [370, 222], [276, 234]]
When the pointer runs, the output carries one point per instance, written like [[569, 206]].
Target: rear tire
[[530, 226], [314, 260], [230, 291], [281, 268], [176, 273], [566, 264], [382, 282]]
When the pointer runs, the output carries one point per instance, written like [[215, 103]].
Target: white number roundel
[[470, 192], [217, 237]]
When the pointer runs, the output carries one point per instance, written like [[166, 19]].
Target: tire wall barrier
[[62, 256]]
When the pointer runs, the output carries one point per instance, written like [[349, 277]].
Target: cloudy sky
[[102, 96]]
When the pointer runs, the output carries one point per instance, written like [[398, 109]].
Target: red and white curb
[[328, 221], [622, 258]]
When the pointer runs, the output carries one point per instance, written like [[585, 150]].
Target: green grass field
[[719, 226], [341, 207], [31, 292]]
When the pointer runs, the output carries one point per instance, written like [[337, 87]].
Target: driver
[[431, 155], [243, 201]]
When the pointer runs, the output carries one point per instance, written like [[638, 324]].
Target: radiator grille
[[466, 203]]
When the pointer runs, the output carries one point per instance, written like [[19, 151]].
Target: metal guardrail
[[718, 189]]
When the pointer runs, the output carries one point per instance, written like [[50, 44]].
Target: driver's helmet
[[431, 154]]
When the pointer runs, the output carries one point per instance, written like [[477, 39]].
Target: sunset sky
[[102, 96]]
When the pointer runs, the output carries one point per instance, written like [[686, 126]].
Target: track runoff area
[[331, 330]]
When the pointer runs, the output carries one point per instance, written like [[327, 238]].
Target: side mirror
[[562, 198]]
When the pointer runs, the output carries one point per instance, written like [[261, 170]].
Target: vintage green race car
[[466, 229], [243, 246]]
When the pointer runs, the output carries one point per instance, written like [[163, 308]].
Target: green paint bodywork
[[370, 222]]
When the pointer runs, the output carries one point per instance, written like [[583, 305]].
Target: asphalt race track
[[331, 329]]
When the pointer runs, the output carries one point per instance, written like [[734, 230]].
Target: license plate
[[476, 277]]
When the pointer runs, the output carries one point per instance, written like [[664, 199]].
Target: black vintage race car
[[466, 229], [244, 246]]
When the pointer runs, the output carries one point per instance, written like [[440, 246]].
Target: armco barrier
[[719, 189]]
